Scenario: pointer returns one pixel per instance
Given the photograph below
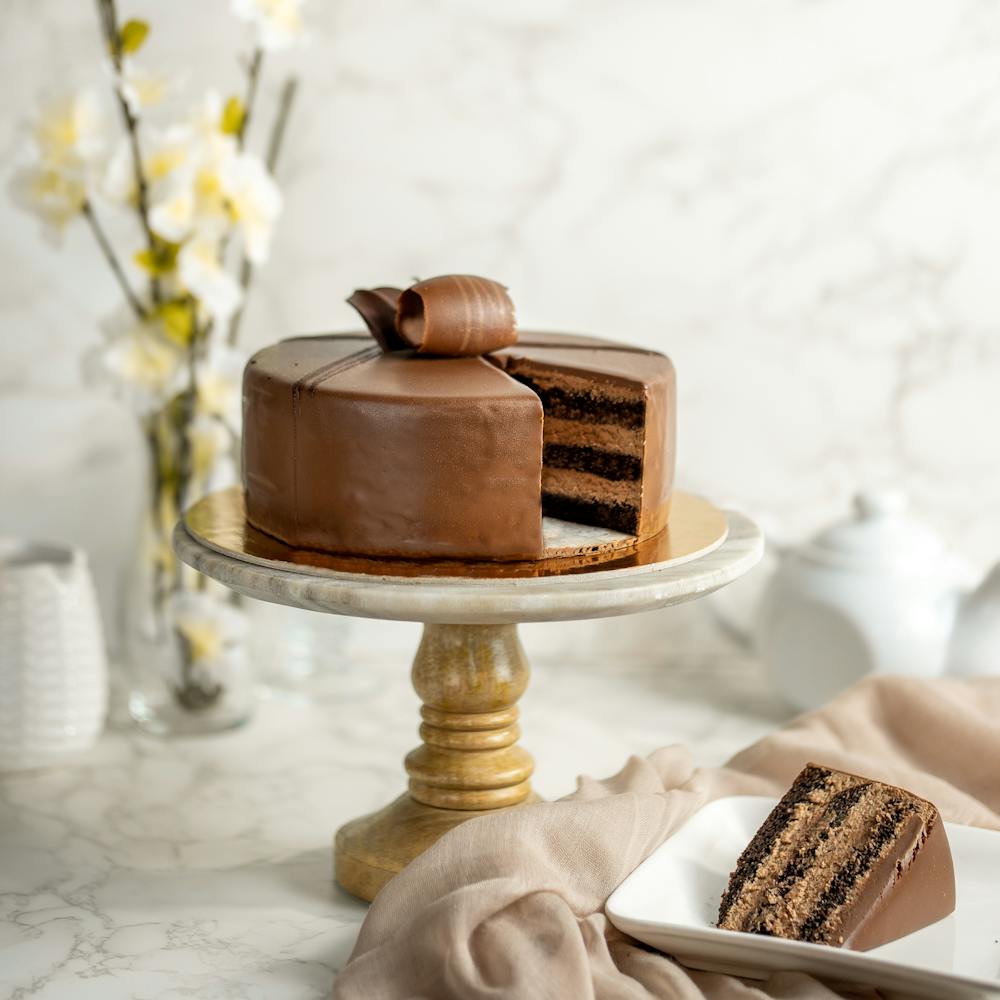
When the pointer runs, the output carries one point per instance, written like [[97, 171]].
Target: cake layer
[[575, 399], [842, 860], [602, 463], [572, 483], [608, 437], [591, 499]]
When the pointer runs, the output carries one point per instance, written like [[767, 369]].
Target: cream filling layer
[[608, 437], [587, 486]]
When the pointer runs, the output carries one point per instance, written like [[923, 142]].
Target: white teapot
[[876, 594]]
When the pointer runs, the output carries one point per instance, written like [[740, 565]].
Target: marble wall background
[[798, 199]]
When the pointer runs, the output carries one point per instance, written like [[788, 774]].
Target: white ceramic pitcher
[[53, 669]]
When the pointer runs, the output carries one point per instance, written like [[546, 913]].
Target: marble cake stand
[[470, 668]]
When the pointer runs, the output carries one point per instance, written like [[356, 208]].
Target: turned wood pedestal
[[470, 669], [469, 678]]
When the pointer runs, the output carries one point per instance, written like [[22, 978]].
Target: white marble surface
[[800, 201], [164, 870]]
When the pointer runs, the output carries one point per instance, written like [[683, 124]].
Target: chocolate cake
[[845, 861], [444, 434]]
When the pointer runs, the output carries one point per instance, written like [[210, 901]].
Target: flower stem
[[274, 145], [277, 138], [189, 399], [253, 76], [158, 585], [109, 24], [109, 255]]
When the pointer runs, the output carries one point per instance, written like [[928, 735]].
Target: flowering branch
[[109, 255], [109, 21], [195, 187], [274, 145]]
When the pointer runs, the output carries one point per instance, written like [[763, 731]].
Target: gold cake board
[[470, 668], [695, 528]]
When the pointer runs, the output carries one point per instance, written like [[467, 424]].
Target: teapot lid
[[879, 535]]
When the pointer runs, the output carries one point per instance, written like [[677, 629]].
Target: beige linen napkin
[[512, 906]]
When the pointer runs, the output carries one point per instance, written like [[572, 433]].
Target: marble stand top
[[731, 545]]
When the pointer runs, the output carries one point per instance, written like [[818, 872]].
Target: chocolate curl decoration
[[377, 307], [456, 315]]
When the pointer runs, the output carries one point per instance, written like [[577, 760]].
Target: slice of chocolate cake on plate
[[845, 861]]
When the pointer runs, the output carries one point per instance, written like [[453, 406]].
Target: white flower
[[52, 193], [211, 450], [220, 384], [202, 185], [166, 151], [278, 22], [69, 130], [70, 142], [141, 89], [206, 120], [253, 200], [117, 183], [171, 214], [163, 154], [185, 170], [208, 624], [143, 367], [200, 270], [211, 158]]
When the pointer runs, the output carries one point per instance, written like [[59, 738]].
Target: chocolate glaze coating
[[347, 449], [905, 895]]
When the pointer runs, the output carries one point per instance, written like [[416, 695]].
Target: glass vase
[[185, 647]]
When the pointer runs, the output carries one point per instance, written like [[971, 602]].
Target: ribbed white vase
[[53, 670]]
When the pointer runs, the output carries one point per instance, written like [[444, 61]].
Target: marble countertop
[[202, 867]]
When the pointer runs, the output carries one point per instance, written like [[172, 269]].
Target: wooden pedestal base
[[469, 678], [369, 850]]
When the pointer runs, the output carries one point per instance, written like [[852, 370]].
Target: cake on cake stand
[[470, 668]]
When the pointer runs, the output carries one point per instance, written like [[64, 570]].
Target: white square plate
[[671, 902]]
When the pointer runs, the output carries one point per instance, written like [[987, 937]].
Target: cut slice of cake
[[845, 861], [608, 430]]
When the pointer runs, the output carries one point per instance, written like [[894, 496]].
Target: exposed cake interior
[[828, 861], [593, 436]]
